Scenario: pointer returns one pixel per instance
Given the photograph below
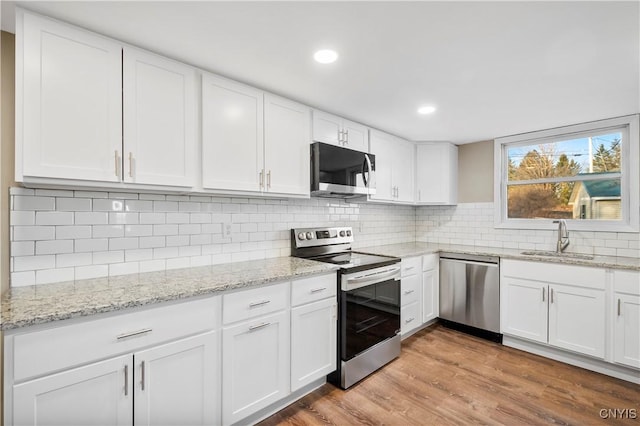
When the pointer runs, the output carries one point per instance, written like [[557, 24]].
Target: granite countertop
[[417, 249], [39, 304]]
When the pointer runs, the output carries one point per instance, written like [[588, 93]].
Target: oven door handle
[[365, 280]]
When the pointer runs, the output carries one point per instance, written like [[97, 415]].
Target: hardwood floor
[[446, 377]]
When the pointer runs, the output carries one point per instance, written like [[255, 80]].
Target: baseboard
[[614, 370]]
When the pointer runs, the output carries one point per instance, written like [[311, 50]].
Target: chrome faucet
[[563, 235]]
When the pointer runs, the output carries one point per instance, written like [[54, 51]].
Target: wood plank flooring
[[446, 377]]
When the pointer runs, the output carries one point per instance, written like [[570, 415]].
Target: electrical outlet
[[226, 230]]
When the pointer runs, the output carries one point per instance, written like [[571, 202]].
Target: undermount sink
[[556, 254]]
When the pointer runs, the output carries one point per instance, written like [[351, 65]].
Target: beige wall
[[475, 172]]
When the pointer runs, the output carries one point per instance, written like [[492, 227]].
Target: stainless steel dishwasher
[[470, 294]]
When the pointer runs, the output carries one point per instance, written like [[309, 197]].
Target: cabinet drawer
[[313, 288], [430, 261], [411, 265], [44, 351], [410, 289], [626, 282], [410, 317], [248, 304]]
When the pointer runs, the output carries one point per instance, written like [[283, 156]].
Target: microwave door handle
[[367, 161]]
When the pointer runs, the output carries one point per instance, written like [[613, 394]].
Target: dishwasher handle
[[471, 262]]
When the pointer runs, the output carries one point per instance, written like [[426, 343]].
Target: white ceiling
[[492, 68]]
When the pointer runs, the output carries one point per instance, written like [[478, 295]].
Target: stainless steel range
[[368, 301]]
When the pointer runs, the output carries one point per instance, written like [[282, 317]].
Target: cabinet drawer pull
[[407, 321], [117, 166], [256, 304], [142, 375], [269, 179], [126, 380], [134, 333], [408, 268], [619, 308], [551, 295], [259, 326], [131, 160], [409, 291], [261, 178], [317, 290], [346, 137]]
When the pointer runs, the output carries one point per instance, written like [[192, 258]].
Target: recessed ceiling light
[[325, 56], [426, 110]]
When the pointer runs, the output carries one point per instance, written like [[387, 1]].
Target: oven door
[[338, 171], [369, 309]]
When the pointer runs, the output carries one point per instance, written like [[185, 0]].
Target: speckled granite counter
[[25, 306], [417, 249]]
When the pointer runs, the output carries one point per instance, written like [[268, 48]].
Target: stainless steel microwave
[[341, 172]]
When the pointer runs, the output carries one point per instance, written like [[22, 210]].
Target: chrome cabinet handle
[[261, 178], [256, 304], [409, 291], [551, 295], [317, 290], [419, 195], [142, 375], [126, 380], [116, 163], [346, 137], [407, 321], [134, 333], [269, 179], [131, 161], [543, 293], [619, 308], [259, 326]]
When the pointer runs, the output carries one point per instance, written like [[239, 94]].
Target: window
[[586, 174]]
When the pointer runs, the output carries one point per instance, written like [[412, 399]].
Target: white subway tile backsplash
[[54, 247], [49, 276], [23, 218], [25, 233], [54, 218], [73, 204], [94, 234], [73, 232]]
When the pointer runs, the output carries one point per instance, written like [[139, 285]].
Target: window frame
[[629, 175]]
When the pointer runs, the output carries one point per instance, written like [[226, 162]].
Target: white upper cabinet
[[232, 135], [395, 174], [68, 102], [436, 173], [252, 141], [159, 120], [335, 130], [286, 146]]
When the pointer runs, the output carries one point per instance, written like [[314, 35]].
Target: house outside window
[[585, 173]]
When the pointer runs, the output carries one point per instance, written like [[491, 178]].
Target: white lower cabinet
[[177, 383], [410, 294], [95, 394], [626, 324], [430, 287], [255, 365], [313, 341], [559, 305]]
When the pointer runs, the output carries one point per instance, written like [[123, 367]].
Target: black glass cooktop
[[353, 259]]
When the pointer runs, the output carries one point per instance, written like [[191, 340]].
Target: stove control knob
[[302, 236], [309, 235], [342, 233], [348, 233]]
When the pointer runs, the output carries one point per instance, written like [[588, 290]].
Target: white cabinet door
[[327, 128], [577, 319], [430, 295], [286, 142], [232, 135], [403, 170], [626, 346], [410, 289], [177, 383], [313, 341], [356, 135], [524, 308], [436, 173], [159, 120], [95, 394], [68, 103], [381, 145], [255, 365]]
